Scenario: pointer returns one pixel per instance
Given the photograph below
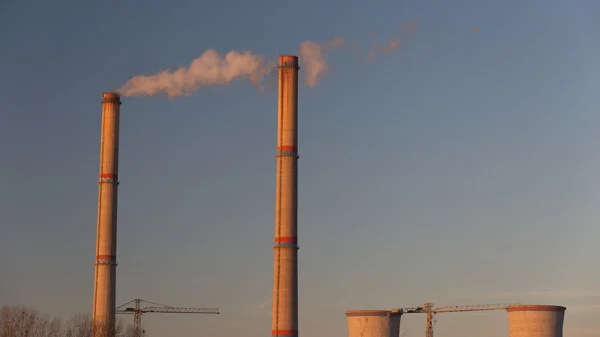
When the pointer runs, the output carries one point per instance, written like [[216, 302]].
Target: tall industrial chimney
[[103, 314], [285, 280], [535, 320]]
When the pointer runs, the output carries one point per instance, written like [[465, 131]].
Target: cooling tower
[[535, 320], [373, 323], [103, 313], [285, 246]]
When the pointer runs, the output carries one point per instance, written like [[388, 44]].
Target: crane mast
[[428, 308], [137, 310]]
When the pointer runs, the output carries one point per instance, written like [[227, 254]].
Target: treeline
[[21, 321]]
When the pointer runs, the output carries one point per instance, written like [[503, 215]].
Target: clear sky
[[461, 169]]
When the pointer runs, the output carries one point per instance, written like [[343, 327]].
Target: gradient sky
[[461, 169]]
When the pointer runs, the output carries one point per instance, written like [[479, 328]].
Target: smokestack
[[103, 314], [285, 280]]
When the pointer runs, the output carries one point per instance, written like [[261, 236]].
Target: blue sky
[[460, 169]]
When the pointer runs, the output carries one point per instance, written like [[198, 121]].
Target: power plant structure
[[523, 320], [373, 323], [535, 320], [285, 247], [103, 312]]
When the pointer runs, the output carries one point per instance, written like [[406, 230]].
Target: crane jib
[[138, 310]]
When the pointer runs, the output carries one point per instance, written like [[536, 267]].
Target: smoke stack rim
[[536, 308], [111, 97], [288, 61]]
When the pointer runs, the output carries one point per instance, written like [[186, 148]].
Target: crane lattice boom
[[137, 312], [173, 310], [477, 307]]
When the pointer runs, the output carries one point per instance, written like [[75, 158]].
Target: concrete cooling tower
[[373, 323], [535, 320]]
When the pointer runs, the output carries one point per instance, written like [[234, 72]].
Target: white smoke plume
[[207, 70], [389, 47], [211, 69], [312, 56]]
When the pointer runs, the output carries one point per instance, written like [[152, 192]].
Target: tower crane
[[137, 310], [427, 308]]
